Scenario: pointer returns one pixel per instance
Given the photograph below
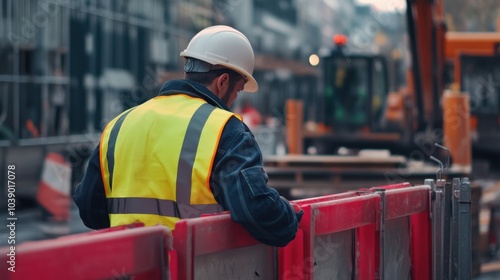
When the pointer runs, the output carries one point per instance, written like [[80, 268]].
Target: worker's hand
[[298, 211], [296, 208]]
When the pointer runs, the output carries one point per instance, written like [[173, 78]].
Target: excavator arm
[[426, 32]]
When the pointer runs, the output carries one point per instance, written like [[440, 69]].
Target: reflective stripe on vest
[[165, 176], [146, 205]]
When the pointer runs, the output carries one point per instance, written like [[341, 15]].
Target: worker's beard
[[226, 97]]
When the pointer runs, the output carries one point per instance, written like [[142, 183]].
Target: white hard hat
[[225, 46]]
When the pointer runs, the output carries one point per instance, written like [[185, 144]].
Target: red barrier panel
[[393, 186], [291, 259], [412, 203], [329, 221], [139, 253], [312, 200], [340, 236], [214, 247]]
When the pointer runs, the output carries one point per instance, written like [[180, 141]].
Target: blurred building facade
[[70, 66]]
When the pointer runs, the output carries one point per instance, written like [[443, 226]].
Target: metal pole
[[92, 72], [455, 228], [463, 223], [434, 218], [16, 90], [447, 226], [381, 192], [438, 230]]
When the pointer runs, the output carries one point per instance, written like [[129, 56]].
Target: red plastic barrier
[[340, 236], [291, 259], [393, 186], [312, 200], [214, 247], [336, 214], [101, 231], [140, 253], [414, 203]]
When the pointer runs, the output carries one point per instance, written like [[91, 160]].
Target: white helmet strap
[[196, 65]]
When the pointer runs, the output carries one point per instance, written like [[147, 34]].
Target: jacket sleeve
[[90, 197], [239, 184]]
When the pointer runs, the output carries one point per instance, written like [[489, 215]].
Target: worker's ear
[[222, 82]]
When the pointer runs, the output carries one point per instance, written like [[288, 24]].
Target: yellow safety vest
[[156, 160]]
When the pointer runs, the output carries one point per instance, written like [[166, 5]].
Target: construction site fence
[[395, 231]]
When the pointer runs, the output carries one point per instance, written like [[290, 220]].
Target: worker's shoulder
[[234, 125], [233, 129]]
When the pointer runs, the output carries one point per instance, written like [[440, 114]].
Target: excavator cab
[[480, 78], [356, 88], [358, 109]]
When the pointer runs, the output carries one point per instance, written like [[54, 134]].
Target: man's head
[[221, 58]]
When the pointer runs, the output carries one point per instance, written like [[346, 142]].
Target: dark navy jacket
[[238, 180]]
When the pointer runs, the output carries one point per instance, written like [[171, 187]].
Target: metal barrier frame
[[462, 249]]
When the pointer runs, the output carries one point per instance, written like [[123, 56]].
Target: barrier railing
[[405, 242], [384, 232], [214, 247], [121, 253], [331, 229], [291, 262]]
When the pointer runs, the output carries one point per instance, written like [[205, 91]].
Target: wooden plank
[[334, 161]]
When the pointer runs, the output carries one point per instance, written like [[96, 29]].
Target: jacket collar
[[193, 89]]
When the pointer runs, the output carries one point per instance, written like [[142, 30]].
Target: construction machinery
[[359, 111], [473, 61], [451, 98]]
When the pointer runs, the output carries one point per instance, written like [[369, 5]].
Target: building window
[[26, 62]]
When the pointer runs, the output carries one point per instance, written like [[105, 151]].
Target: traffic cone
[[54, 194]]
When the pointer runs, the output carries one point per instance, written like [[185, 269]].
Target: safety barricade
[[405, 240], [332, 227], [384, 232], [214, 247], [121, 253], [291, 257]]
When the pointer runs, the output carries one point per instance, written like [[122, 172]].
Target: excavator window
[[346, 89], [379, 93], [355, 91], [481, 80]]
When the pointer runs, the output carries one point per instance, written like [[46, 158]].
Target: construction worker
[[184, 153]]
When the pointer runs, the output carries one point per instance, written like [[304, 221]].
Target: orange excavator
[[474, 61], [360, 112]]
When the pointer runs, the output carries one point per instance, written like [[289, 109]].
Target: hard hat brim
[[250, 86]]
